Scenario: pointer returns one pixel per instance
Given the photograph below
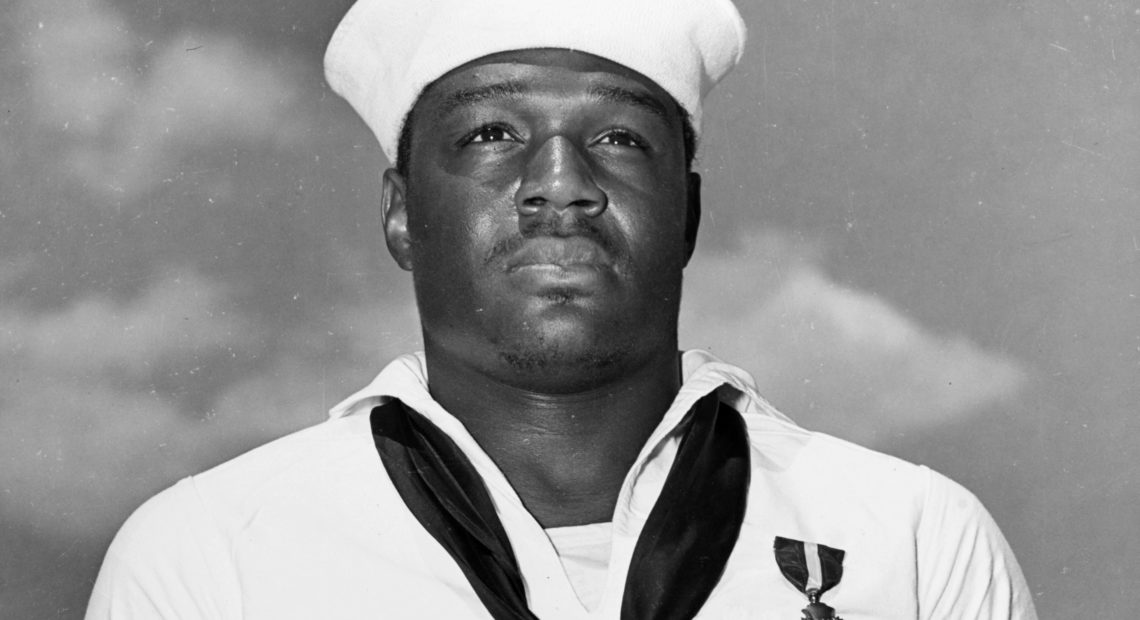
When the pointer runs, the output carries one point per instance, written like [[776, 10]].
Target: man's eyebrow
[[618, 94], [470, 96]]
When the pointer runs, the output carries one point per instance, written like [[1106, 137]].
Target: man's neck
[[566, 455]]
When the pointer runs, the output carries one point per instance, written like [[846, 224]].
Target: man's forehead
[[514, 74]]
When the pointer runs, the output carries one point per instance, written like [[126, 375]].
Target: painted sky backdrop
[[921, 233]]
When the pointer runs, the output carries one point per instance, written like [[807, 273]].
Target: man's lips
[[559, 253]]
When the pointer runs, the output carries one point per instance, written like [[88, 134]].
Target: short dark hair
[[404, 144]]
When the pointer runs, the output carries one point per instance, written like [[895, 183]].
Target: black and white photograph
[[569, 309]]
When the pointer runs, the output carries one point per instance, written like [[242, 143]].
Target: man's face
[[549, 214]]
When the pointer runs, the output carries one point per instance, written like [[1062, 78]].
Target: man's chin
[[553, 367]]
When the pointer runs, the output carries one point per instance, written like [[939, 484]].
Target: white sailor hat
[[384, 52]]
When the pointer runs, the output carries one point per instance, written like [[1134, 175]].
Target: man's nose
[[558, 177]]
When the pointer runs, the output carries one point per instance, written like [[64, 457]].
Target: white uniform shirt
[[310, 526]]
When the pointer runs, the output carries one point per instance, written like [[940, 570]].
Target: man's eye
[[490, 133], [619, 137]]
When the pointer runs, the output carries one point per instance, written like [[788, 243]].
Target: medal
[[813, 569]]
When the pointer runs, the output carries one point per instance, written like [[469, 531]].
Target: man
[[550, 454]]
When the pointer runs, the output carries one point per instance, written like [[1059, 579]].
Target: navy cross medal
[[813, 569]]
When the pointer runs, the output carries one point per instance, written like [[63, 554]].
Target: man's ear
[[693, 214], [394, 210]]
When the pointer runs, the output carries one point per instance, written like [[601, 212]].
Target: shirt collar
[[405, 378]]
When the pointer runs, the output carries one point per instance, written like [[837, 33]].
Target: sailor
[[551, 454]]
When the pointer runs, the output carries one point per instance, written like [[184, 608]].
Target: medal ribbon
[[677, 560], [810, 567], [813, 569]]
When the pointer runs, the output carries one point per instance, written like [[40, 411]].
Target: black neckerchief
[[677, 560]]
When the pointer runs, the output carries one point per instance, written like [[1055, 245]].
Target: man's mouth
[[556, 254]]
